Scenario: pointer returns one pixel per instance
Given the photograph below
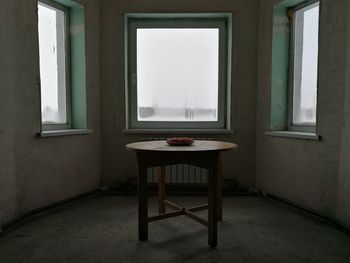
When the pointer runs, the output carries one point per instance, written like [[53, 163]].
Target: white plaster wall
[[119, 164], [38, 171], [307, 172]]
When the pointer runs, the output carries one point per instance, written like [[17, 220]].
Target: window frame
[[222, 21], [68, 124], [308, 4]]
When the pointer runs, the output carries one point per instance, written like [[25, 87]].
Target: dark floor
[[104, 229]]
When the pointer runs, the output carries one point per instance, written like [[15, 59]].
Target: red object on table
[[180, 141]]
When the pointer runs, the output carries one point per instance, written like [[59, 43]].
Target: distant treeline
[[187, 113]]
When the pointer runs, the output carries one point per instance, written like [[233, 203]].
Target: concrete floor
[[104, 229]]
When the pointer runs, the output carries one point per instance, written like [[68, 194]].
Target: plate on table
[[180, 141]]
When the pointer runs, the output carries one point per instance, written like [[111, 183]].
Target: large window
[[303, 66], [54, 73], [177, 71]]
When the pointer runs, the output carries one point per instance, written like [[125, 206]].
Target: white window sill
[[171, 131], [295, 135], [55, 133]]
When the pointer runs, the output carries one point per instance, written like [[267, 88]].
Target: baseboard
[[16, 221]]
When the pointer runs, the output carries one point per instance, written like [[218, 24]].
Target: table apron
[[199, 159]]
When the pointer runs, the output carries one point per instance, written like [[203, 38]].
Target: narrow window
[[304, 67], [54, 73], [177, 72]]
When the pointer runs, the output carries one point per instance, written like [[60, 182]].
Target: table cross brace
[[181, 211]]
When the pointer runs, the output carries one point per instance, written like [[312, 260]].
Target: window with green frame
[[61, 35], [295, 66], [177, 71]]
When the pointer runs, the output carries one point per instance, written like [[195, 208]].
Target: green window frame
[[221, 21], [282, 67], [75, 66]]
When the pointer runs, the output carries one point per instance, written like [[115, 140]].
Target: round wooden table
[[204, 154]]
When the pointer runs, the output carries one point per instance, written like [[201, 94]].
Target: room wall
[[308, 172], [119, 164], [343, 186], [35, 171]]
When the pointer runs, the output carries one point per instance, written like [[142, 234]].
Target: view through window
[[306, 22], [52, 51], [177, 74]]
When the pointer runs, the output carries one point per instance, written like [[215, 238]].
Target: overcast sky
[[178, 67]]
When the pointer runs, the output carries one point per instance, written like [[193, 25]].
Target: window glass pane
[[51, 29], [305, 65], [177, 74]]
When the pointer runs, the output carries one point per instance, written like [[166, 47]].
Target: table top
[[197, 146]]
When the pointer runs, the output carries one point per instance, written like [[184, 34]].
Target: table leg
[[212, 205], [220, 190], [142, 202], [161, 189]]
